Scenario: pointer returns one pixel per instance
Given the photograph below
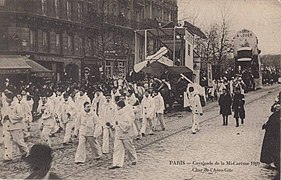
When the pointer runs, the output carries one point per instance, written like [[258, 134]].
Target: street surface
[[215, 152]]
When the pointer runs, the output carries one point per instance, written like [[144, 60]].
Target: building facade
[[80, 38]]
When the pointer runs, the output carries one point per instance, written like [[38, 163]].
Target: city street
[[215, 152]]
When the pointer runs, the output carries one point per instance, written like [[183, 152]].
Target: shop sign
[[14, 71]]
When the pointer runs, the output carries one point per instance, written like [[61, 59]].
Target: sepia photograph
[[140, 89]]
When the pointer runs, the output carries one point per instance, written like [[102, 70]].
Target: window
[[4, 38], [57, 8], [45, 41], [44, 7], [188, 50], [169, 16], [69, 41], [2, 2], [58, 44], [89, 46], [68, 9], [32, 40], [79, 11], [108, 68], [81, 46], [44, 38]]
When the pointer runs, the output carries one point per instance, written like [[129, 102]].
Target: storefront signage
[[14, 71], [54, 59]]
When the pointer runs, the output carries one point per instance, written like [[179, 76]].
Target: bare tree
[[218, 43], [224, 33], [191, 13]]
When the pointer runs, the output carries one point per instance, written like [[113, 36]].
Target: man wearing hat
[[80, 97], [148, 114], [238, 106], [29, 100], [134, 103], [196, 107], [57, 100], [225, 102], [46, 109], [240, 84], [67, 114], [86, 125], [98, 100], [125, 132], [107, 112], [159, 108], [221, 86], [26, 112], [12, 127]]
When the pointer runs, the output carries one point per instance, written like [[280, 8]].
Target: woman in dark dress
[[270, 152], [225, 102], [39, 160]]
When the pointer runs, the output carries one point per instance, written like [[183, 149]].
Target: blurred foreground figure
[[270, 152], [39, 160]]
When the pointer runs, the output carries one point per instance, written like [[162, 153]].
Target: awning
[[13, 64], [37, 69], [16, 64]]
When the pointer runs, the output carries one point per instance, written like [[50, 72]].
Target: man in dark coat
[[270, 152], [238, 106], [225, 102]]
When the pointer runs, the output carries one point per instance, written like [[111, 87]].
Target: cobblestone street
[[178, 154], [214, 143]]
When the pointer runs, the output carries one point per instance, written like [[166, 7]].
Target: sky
[[263, 17]]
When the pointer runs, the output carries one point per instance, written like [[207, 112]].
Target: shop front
[[17, 69], [65, 68], [116, 67], [92, 70]]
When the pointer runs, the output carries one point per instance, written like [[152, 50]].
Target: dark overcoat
[[225, 102], [270, 151]]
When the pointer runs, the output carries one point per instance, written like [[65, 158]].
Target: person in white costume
[[125, 132], [57, 100], [197, 111], [79, 99], [134, 102], [148, 114], [97, 103], [13, 125], [86, 129], [114, 93], [107, 111], [159, 108], [67, 114], [27, 116], [46, 109], [98, 100]]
